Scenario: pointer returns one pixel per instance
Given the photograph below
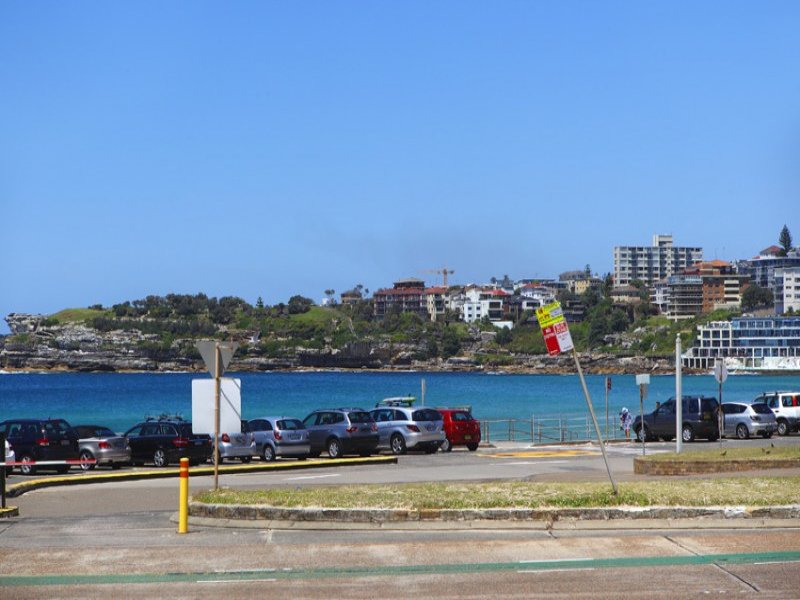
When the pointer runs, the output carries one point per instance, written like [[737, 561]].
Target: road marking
[[228, 580], [549, 560], [404, 570], [312, 477], [525, 462], [539, 571], [541, 453]]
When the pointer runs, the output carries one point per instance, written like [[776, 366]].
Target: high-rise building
[[652, 263]]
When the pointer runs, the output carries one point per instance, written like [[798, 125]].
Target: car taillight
[[278, 435], [103, 445], [180, 442], [352, 429], [43, 442], [226, 438], [412, 428]]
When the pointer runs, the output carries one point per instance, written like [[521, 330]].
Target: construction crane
[[443, 272]]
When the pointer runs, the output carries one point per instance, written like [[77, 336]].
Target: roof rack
[[164, 417], [406, 401]]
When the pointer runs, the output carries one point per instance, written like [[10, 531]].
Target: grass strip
[[717, 455], [747, 491]]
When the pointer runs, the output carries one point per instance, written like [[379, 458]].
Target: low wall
[[646, 466]]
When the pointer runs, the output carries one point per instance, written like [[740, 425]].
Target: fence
[[548, 429]]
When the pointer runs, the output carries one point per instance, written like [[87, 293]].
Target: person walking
[[625, 422]]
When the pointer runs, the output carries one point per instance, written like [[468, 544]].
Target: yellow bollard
[[183, 504]]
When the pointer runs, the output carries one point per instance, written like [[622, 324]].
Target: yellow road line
[[540, 454]]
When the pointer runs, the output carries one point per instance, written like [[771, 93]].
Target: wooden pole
[[217, 364]]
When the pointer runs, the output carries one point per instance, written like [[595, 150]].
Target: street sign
[[555, 331], [720, 372], [207, 350], [643, 379], [230, 405]]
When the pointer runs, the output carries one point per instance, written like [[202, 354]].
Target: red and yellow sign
[[554, 328]]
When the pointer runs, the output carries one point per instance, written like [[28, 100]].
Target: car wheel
[[472, 447], [641, 433], [446, 445], [334, 448], [160, 458], [398, 444], [269, 453], [245, 459], [783, 427], [86, 455], [687, 433], [27, 469], [741, 431]]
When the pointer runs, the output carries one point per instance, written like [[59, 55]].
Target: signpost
[[217, 355], [558, 339], [642, 381], [608, 389], [720, 374], [678, 396]]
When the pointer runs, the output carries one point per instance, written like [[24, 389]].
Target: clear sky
[[280, 148]]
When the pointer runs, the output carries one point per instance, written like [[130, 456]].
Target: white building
[[787, 290], [651, 263]]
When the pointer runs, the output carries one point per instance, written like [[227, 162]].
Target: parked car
[[36, 440], [279, 436], [103, 445], [237, 445], [699, 416], [460, 429], [401, 427], [166, 440], [743, 420], [340, 431], [10, 457], [786, 406]]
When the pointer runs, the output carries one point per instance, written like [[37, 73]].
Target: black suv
[[341, 431], [699, 413], [36, 440], [166, 440]]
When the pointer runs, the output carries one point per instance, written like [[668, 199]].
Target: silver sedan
[[102, 445]]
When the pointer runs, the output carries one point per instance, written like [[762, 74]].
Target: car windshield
[[360, 417], [761, 409], [426, 414], [87, 431], [58, 426], [290, 425]]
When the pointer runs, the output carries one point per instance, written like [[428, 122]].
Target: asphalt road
[[118, 539]]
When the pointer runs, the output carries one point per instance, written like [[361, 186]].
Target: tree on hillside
[[299, 304], [785, 240], [756, 297]]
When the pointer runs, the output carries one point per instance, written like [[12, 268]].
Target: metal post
[[423, 392], [678, 396], [488, 438], [511, 430], [606, 410], [560, 429], [3, 472], [532, 424], [642, 428], [183, 500], [594, 420], [217, 363], [720, 417]]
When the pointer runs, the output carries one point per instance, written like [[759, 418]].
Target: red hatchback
[[460, 429]]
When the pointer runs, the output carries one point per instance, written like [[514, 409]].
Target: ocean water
[[119, 400]]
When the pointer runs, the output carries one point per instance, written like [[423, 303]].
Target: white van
[[786, 406]]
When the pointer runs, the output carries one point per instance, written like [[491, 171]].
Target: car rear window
[[359, 417], [86, 431], [58, 426], [761, 409], [185, 429], [290, 425], [426, 414], [462, 415]]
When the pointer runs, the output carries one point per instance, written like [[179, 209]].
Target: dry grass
[[717, 455], [761, 491]]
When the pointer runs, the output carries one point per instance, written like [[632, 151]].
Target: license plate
[[65, 442], [294, 436], [467, 437], [198, 442], [430, 428]]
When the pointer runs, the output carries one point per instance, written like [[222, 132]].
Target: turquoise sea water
[[118, 400]]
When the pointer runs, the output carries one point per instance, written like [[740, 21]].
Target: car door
[[384, 418], [664, 420], [730, 419], [317, 425], [258, 428]]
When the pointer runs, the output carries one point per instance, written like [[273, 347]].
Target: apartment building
[[652, 263], [407, 295], [787, 290], [722, 288]]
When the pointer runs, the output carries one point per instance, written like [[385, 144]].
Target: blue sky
[[274, 148]]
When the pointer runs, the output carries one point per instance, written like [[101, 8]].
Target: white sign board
[[230, 405], [720, 372], [643, 379]]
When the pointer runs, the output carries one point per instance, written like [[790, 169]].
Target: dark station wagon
[[166, 440]]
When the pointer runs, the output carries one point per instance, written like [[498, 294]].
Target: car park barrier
[[73, 462]]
